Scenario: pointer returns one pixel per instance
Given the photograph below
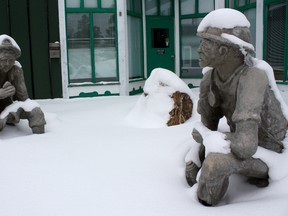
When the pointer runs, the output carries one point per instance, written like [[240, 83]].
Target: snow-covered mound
[[153, 107]]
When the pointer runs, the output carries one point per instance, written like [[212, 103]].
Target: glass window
[[187, 7], [72, 3], [130, 5], [105, 46], [135, 53], [252, 1], [151, 7], [107, 4], [90, 3], [275, 41], [251, 16], [241, 3], [231, 3], [79, 55], [205, 6], [189, 46], [165, 7], [138, 6]]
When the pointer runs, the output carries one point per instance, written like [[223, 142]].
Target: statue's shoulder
[[255, 73], [253, 77], [17, 68], [16, 71]]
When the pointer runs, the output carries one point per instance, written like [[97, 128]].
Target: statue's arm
[[210, 116], [18, 81], [250, 98]]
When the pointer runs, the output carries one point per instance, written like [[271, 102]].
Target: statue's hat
[[227, 26], [8, 43]]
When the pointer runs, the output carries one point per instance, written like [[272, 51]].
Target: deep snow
[[91, 161], [100, 157]]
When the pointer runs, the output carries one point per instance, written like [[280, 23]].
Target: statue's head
[[225, 33], [9, 52]]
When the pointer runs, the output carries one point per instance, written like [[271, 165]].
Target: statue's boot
[[216, 169], [191, 173]]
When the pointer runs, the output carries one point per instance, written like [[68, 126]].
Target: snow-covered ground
[[92, 161]]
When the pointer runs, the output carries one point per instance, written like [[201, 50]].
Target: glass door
[[160, 43]]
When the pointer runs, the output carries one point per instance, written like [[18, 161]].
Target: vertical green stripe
[[55, 63], [19, 17], [92, 47], [39, 46], [4, 21]]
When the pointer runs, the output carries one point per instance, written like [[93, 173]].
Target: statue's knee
[[212, 163]]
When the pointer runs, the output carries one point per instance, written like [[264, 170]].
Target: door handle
[[172, 56]]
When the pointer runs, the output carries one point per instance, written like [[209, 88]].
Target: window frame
[[158, 3], [92, 11]]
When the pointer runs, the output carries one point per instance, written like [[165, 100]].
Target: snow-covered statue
[[14, 101], [242, 89]]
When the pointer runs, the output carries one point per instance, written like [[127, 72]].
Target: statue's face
[[6, 62], [208, 53]]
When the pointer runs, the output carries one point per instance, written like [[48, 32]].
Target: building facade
[[110, 47]]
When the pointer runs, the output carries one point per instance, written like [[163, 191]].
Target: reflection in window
[[107, 4], [275, 42], [138, 6], [135, 47], [165, 7], [90, 3], [205, 6], [72, 3], [129, 4], [241, 3], [105, 46], [251, 16], [189, 46], [187, 7], [79, 55], [151, 7]]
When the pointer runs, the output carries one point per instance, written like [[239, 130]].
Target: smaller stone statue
[[14, 101], [237, 88]]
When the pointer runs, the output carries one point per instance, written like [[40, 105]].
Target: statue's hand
[[7, 90]]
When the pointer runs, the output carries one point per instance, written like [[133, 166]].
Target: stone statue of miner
[[14, 101], [236, 89]]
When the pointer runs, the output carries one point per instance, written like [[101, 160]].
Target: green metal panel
[[55, 63], [39, 46], [159, 56], [4, 21], [19, 24]]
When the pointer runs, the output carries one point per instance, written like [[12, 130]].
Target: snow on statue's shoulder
[[263, 65], [223, 18], [18, 64]]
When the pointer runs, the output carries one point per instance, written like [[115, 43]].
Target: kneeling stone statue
[[234, 88], [14, 101]]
